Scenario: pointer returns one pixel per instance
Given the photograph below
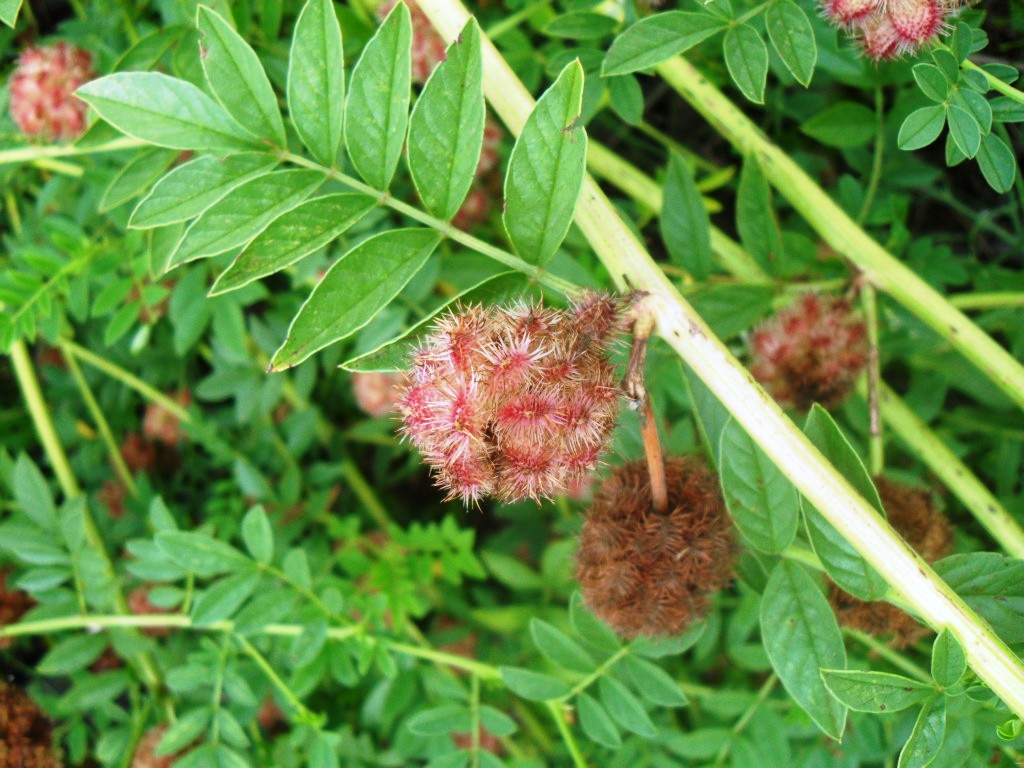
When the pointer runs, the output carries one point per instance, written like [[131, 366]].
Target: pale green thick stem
[[913, 432], [964, 484], [853, 517], [837, 229], [995, 83], [49, 151]]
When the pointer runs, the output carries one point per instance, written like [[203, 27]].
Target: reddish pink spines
[[377, 393], [428, 49], [810, 352], [42, 91], [497, 407], [886, 29]]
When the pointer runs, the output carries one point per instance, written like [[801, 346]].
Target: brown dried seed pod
[[912, 512], [26, 734], [650, 574]]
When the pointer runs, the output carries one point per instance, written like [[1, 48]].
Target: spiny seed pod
[[811, 352], [26, 734], [886, 29], [377, 394], [514, 402], [650, 574], [428, 48], [912, 512], [43, 87], [13, 605]]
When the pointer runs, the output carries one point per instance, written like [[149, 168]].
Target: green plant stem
[[59, 166], [741, 724], [33, 394], [834, 226], [275, 680], [513, 20], [47, 151], [669, 143], [993, 300], [891, 655], [102, 425], [878, 157], [876, 445], [443, 227], [626, 260], [605, 164], [558, 715], [994, 82], [365, 494], [913, 432], [972, 493]]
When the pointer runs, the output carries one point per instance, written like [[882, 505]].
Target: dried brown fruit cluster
[[514, 402], [649, 574], [26, 734], [43, 87], [912, 512], [811, 352], [887, 29]]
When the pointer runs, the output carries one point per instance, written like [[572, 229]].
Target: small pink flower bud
[[377, 393], [846, 12], [42, 91], [917, 22], [810, 352], [496, 407]]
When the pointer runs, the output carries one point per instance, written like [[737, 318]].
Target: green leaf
[[875, 692], [843, 563], [843, 125], [926, 739], [33, 494], [685, 224], [653, 683], [755, 215], [446, 128], [921, 127], [991, 584], [237, 79], [932, 82], [712, 416], [559, 648], [377, 109], [591, 630], [316, 80], [977, 106], [581, 25], [243, 213], [997, 162], [9, 12], [258, 535], [450, 718], [294, 235], [393, 355], [746, 58], [136, 177], [964, 129], [948, 659], [201, 554], [763, 503], [627, 98], [595, 722], [801, 637], [531, 685], [359, 285], [546, 169], [185, 730], [624, 707], [497, 722], [164, 111], [511, 571], [659, 647], [790, 31], [220, 600], [190, 189], [656, 38], [72, 654]]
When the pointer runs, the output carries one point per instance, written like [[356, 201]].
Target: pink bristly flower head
[[496, 410], [917, 22], [811, 352], [377, 393], [846, 12], [428, 48], [887, 29], [43, 101]]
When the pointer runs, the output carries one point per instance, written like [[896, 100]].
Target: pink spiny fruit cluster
[[43, 101], [377, 394], [514, 402], [811, 352], [887, 29], [428, 47]]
